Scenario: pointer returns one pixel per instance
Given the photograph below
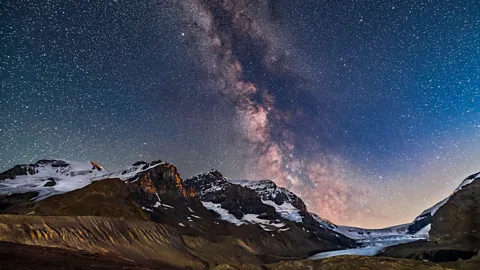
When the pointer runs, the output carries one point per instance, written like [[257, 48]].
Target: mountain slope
[[205, 221], [272, 208], [137, 200], [108, 198], [453, 225], [458, 219], [424, 220]]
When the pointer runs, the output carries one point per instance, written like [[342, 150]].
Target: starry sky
[[369, 110]]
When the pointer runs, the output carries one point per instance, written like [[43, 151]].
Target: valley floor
[[19, 256]]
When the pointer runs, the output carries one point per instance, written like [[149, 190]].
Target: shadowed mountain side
[[458, 220], [108, 198]]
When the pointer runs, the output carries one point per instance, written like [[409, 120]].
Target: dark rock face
[[55, 163], [419, 223], [158, 180], [459, 218], [241, 198], [50, 182], [238, 200], [141, 162], [17, 170], [268, 190]]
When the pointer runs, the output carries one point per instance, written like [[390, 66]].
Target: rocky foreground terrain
[[64, 215]]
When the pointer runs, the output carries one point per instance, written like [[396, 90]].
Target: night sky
[[369, 110]]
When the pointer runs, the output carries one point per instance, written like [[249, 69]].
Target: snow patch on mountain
[[265, 188], [423, 233], [130, 172], [64, 176], [268, 192], [246, 219], [223, 213], [286, 210]]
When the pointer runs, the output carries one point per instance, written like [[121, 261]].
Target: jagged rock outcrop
[[238, 200], [268, 190], [97, 166], [160, 178], [17, 170]]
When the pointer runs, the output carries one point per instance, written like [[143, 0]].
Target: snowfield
[[67, 176]]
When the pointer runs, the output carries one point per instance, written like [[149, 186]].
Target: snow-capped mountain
[[286, 203], [207, 211], [247, 217], [225, 197], [239, 202], [212, 187], [49, 177], [262, 203]]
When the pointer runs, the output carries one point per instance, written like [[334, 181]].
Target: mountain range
[[147, 216]]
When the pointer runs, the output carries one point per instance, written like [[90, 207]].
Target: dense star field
[[368, 110]]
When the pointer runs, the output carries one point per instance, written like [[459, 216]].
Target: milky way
[[368, 111], [243, 52]]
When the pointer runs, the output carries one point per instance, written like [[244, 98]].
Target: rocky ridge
[[205, 221], [150, 194]]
